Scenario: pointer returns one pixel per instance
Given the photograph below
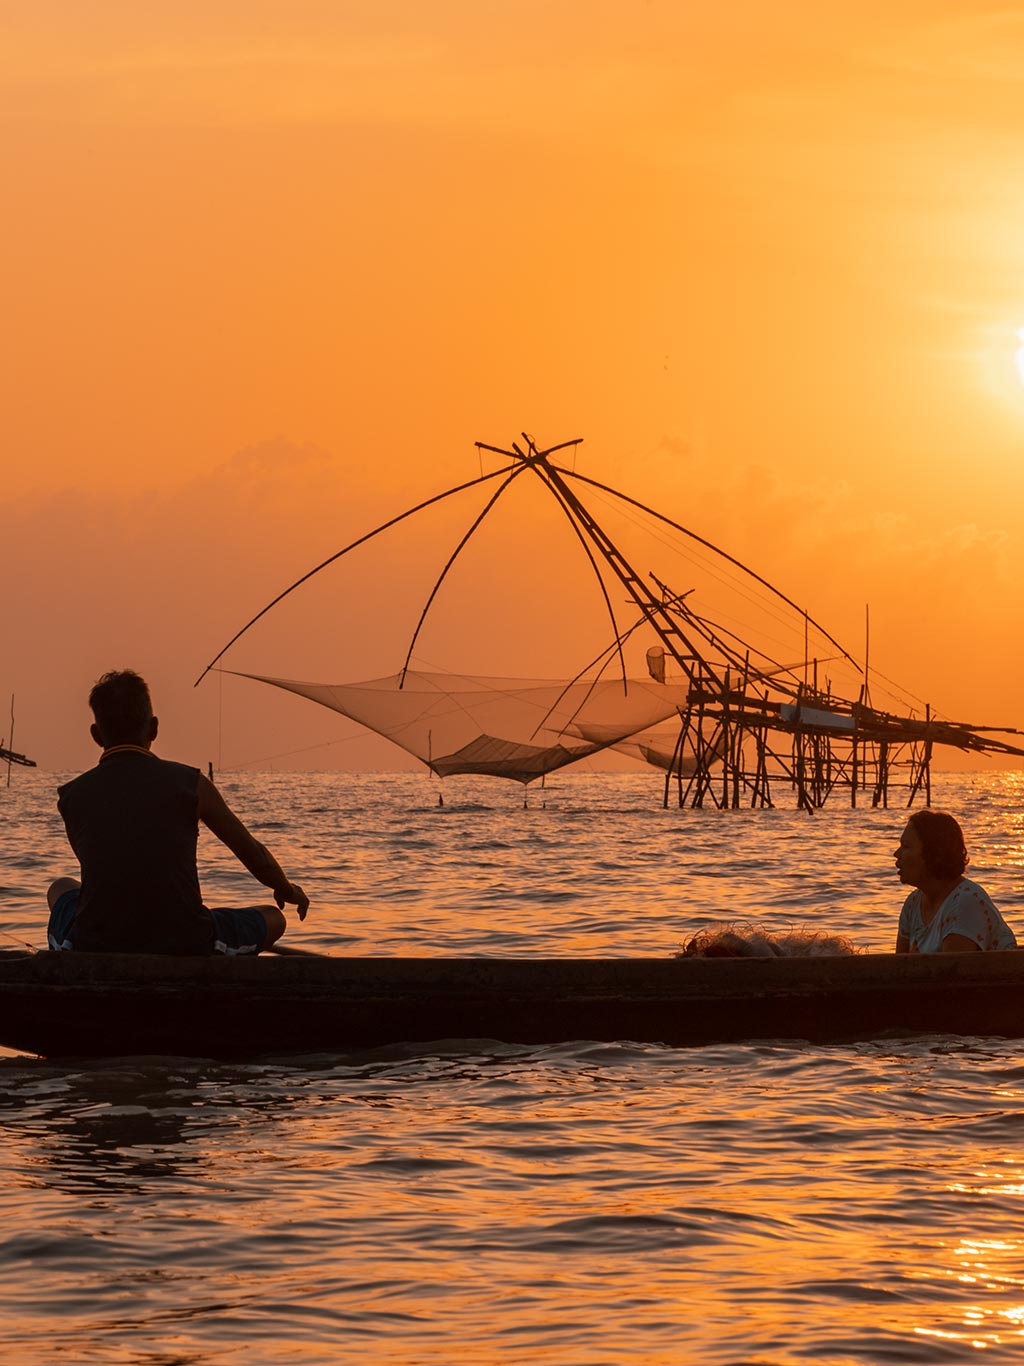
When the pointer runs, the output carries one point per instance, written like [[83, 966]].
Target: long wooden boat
[[60, 1004]]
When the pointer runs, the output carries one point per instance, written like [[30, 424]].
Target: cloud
[[269, 456]]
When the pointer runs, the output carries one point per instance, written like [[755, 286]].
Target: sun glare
[[1020, 354]]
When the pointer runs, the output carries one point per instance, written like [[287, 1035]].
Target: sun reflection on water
[[989, 1266]]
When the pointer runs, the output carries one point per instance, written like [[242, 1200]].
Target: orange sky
[[269, 271]]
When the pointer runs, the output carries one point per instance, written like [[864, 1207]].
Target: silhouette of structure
[[9, 756], [748, 723]]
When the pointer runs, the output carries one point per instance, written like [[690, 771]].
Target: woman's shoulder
[[911, 905], [968, 890]]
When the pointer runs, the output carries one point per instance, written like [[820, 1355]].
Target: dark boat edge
[[60, 1004]]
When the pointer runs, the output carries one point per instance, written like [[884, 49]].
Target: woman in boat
[[946, 912]]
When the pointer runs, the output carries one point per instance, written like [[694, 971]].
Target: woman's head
[[943, 850]]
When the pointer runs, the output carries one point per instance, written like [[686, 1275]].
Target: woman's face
[[910, 858]]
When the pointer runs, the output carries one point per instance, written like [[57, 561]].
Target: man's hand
[[290, 894]]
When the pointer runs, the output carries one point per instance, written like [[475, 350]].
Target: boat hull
[[60, 1004]]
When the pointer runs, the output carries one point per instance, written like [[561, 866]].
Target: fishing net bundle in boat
[[752, 941], [511, 728]]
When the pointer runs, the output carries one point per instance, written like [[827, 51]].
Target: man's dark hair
[[942, 843], [122, 707]]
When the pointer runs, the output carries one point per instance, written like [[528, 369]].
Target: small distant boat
[[61, 1004], [8, 756]]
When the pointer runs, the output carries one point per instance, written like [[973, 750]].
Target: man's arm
[[217, 816]]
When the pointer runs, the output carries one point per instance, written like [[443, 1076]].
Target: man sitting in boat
[[946, 913], [133, 823]]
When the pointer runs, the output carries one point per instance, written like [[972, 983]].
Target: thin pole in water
[[220, 724]]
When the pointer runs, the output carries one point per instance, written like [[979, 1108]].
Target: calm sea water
[[771, 1203]]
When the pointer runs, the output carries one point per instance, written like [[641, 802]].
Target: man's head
[[121, 705]]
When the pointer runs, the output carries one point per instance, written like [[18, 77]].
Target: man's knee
[[57, 889], [275, 922]]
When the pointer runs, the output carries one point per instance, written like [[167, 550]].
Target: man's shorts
[[235, 931], [62, 917], [238, 931]]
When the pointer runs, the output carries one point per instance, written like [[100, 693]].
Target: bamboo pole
[[10, 750]]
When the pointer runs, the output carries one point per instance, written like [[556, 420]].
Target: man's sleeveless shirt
[[133, 823]]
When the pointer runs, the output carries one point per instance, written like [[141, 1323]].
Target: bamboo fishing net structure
[[745, 724]]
